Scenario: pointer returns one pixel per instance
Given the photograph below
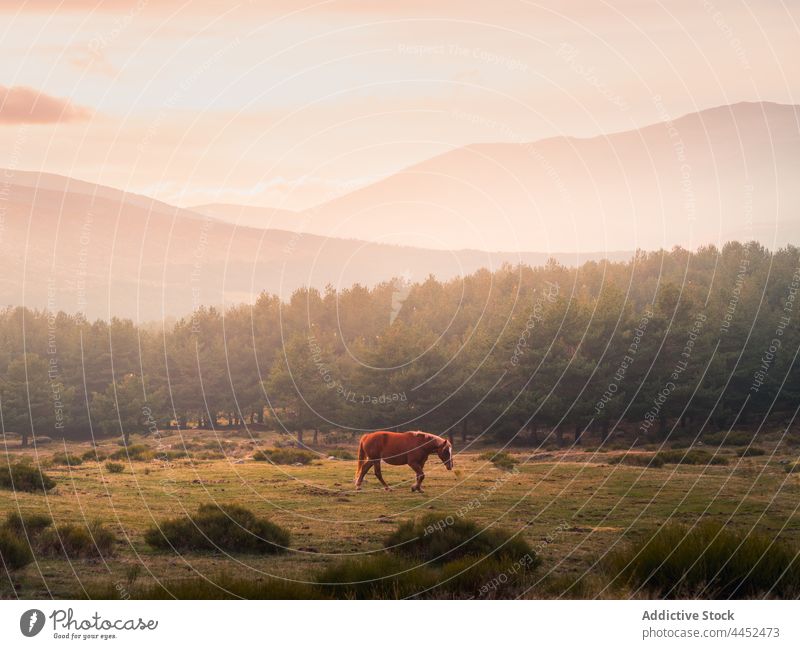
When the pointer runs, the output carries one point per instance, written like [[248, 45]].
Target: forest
[[669, 343]]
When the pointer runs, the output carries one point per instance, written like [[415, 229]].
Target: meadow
[[572, 505]]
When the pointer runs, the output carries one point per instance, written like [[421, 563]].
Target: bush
[[384, 576], [733, 438], [93, 455], [694, 456], [438, 539], [15, 552], [285, 456], [23, 476], [27, 524], [219, 587], [501, 459], [166, 456], [229, 528], [134, 453], [792, 467], [341, 454], [115, 467], [381, 576], [707, 561], [78, 541], [66, 459], [648, 460], [751, 451]]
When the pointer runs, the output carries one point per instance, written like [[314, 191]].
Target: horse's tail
[[362, 456]]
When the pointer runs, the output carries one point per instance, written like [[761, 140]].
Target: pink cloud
[[21, 105]]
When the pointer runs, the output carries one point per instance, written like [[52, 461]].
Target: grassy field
[[572, 505]]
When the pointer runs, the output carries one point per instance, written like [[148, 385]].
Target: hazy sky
[[287, 103]]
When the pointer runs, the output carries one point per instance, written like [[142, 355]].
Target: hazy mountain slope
[[253, 217], [102, 254], [723, 173]]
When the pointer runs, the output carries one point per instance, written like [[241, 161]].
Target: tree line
[[668, 341]]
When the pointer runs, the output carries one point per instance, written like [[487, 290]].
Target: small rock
[[297, 464], [309, 549], [331, 457]]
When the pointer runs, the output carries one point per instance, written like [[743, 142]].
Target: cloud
[[21, 105]]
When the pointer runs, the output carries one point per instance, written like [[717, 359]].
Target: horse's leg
[[380, 476], [420, 477], [364, 469]]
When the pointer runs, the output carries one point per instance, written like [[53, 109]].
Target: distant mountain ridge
[[707, 177], [77, 247], [725, 173]]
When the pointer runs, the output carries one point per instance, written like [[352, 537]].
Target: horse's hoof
[[387, 488]]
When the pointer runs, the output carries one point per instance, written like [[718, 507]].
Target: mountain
[[269, 218], [707, 177], [77, 247]]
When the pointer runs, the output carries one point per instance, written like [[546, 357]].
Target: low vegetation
[[647, 460], [751, 451], [285, 456], [66, 459], [134, 453], [439, 540], [692, 456], [24, 476], [219, 528], [76, 541], [93, 455], [207, 587], [707, 561], [15, 553], [24, 536], [501, 459], [115, 467]]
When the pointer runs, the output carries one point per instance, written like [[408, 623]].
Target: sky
[[290, 103]]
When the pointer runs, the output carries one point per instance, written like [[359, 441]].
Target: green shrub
[[384, 576], [708, 561], [166, 456], [23, 476], [76, 541], [501, 459], [213, 587], [694, 456], [66, 459], [15, 552], [485, 579], [210, 455], [649, 460], [94, 455], [751, 451], [341, 454], [792, 467], [220, 528], [380, 576], [285, 456], [438, 539], [27, 524], [733, 438], [115, 467], [134, 453]]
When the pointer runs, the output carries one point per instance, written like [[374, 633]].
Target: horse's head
[[445, 453]]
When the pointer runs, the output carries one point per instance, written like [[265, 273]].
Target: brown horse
[[400, 448]]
